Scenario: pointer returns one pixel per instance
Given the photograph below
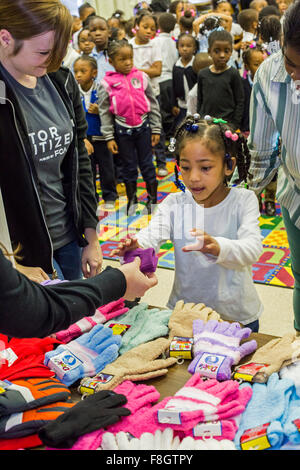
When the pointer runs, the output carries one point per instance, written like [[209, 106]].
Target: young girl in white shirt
[[214, 228]]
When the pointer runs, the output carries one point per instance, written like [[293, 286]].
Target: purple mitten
[[50, 282], [148, 258], [217, 348]]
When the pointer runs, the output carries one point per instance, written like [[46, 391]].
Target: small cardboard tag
[[255, 438], [165, 416], [181, 347], [246, 372], [63, 363], [90, 384], [208, 428], [297, 424], [8, 355], [119, 328], [209, 364]]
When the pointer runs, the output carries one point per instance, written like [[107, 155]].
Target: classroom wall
[[107, 7]]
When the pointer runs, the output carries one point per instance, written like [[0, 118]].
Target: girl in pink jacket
[[131, 121]]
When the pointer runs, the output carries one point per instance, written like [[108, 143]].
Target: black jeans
[[135, 151], [104, 159]]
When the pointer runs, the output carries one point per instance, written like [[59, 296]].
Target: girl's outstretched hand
[[204, 243], [126, 244]]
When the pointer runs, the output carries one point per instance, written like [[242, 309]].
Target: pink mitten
[[219, 430], [202, 401], [102, 315], [139, 399], [198, 401]]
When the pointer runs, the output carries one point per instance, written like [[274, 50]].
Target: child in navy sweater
[[183, 77], [85, 71]]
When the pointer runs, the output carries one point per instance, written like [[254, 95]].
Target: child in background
[[269, 10], [258, 4], [184, 77], [248, 20], [214, 228], [85, 42], [176, 7], [201, 61], [147, 57], [130, 119], [85, 71], [283, 6], [270, 33], [208, 24], [252, 56], [166, 24], [117, 22], [220, 88], [186, 22], [100, 35]]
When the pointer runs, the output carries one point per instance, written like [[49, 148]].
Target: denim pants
[[254, 326], [135, 151], [67, 261]]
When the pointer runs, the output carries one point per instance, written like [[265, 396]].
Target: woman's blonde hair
[[25, 19]]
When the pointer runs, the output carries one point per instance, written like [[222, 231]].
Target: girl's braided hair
[[214, 133]]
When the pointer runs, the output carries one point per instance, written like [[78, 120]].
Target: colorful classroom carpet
[[272, 268]]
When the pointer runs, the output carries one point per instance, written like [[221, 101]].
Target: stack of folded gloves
[[140, 398], [101, 316], [161, 440], [142, 423], [93, 413], [269, 414], [202, 408], [140, 363], [145, 325], [183, 316], [26, 405], [85, 356], [217, 348], [273, 411], [24, 357], [40, 411], [276, 355]]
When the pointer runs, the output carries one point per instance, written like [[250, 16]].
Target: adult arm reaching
[[29, 309]]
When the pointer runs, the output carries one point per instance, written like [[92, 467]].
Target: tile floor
[[277, 318]]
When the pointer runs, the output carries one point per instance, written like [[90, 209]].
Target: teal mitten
[[145, 325]]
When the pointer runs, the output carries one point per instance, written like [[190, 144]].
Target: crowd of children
[[184, 54]]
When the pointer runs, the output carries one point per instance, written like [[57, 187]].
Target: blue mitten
[[291, 426], [264, 413], [85, 356]]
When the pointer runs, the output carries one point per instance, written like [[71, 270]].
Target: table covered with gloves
[[146, 378]]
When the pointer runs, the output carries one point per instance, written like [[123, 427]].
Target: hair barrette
[[228, 160], [231, 136], [219, 121], [172, 145], [192, 127], [179, 184], [252, 45]]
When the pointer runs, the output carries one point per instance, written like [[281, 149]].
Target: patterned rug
[[272, 268]]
